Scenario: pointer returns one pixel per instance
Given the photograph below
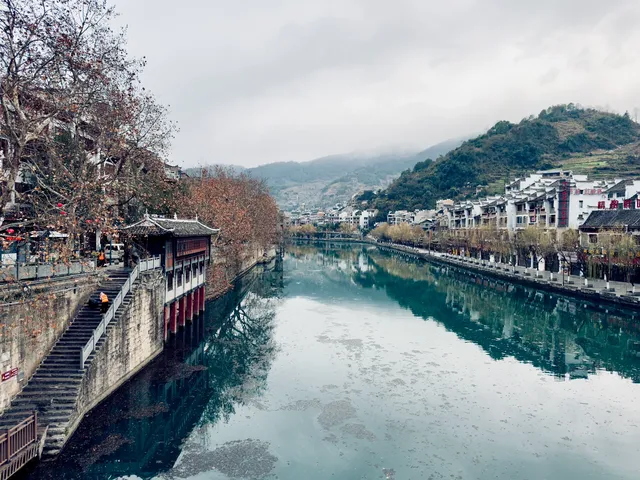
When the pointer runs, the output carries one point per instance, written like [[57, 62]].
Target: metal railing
[[17, 438], [21, 271], [144, 265]]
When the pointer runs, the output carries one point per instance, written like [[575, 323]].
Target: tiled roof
[[620, 186], [613, 219], [153, 226]]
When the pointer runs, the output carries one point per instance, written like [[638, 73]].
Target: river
[[344, 362]]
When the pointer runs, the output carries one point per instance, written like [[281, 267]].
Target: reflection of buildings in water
[[567, 337]]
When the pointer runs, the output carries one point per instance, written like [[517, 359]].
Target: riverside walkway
[[594, 289]]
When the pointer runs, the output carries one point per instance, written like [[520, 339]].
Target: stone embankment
[[33, 317], [594, 290], [61, 390]]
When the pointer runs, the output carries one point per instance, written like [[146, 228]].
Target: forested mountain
[[328, 180], [566, 136]]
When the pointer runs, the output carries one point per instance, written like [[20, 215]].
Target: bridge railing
[[144, 265]]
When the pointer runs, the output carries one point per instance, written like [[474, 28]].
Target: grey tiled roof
[[153, 226], [613, 219]]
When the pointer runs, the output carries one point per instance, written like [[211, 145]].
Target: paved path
[[618, 289]]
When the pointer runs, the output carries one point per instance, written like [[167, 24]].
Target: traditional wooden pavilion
[[184, 246]]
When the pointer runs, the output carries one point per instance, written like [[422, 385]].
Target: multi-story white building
[[549, 199]]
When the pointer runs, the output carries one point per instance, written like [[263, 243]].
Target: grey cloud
[[252, 81]]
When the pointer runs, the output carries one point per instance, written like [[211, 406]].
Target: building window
[[201, 268], [552, 219], [593, 238], [188, 274], [180, 278], [519, 208], [581, 203], [194, 270], [519, 220], [169, 281]]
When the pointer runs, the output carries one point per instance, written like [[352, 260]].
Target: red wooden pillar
[[202, 297], [173, 318], [182, 312], [189, 309], [196, 302], [166, 322]]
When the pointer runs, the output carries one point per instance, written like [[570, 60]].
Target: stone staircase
[[53, 389]]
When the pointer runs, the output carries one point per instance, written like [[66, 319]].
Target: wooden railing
[[18, 438]]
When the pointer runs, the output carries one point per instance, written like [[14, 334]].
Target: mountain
[[328, 180], [564, 136]]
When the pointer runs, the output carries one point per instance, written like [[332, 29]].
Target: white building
[[549, 199]]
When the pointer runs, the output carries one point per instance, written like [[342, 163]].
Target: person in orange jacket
[[104, 302]]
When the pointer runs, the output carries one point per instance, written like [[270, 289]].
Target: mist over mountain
[[328, 180]]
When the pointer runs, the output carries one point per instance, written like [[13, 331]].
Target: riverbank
[[251, 260], [617, 293]]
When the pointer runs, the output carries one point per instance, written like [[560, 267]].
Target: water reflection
[[218, 363], [365, 364], [566, 337]]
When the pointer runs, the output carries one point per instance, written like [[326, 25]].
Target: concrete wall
[[31, 323], [131, 342]]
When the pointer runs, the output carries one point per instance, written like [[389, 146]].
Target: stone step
[[63, 367], [42, 396], [45, 381], [70, 343], [48, 364], [45, 405], [57, 418], [46, 371], [43, 373], [56, 360], [52, 390]]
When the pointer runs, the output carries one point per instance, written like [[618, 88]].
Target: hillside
[[328, 180], [583, 140]]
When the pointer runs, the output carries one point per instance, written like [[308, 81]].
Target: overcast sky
[[258, 81]]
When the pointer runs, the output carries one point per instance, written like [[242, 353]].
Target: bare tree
[[77, 120]]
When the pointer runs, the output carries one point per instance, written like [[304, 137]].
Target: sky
[[253, 81]]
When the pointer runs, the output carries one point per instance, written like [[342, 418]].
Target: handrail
[[18, 437], [144, 265]]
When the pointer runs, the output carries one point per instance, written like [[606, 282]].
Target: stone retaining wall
[[30, 324]]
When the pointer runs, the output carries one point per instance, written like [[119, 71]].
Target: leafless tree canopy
[[78, 127]]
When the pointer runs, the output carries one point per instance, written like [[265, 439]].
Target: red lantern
[[62, 213], [89, 221], [59, 205], [10, 230]]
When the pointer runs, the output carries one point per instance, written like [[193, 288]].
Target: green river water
[[346, 363]]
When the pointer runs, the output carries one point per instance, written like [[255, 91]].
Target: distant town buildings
[[337, 215], [553, 199]]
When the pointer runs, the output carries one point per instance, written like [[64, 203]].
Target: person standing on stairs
[[104, 302]]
